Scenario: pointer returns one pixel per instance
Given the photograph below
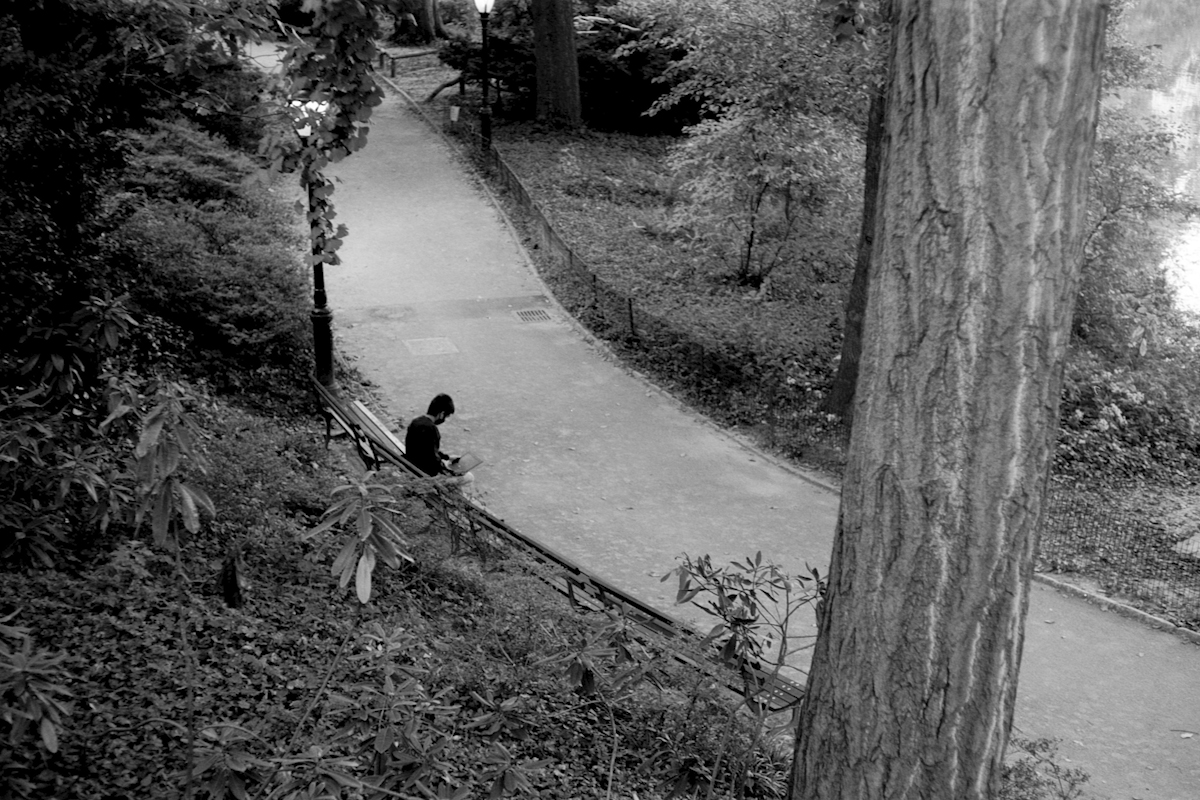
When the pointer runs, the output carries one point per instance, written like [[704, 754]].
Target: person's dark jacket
[[422, 443]]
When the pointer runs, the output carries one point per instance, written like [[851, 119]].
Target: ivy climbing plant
[[329, 92]]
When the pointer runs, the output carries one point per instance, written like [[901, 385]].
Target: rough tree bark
[[425, 16], [991, 115], [557, 65]]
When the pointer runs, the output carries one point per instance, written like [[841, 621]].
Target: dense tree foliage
[[1129, 407], [622, 49], [86, 347]]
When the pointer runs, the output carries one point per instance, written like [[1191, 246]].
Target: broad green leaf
[[160, 519], [344, 558], [200, 496], [322, 527], [384, 739], [119, 411], [187, 509], [184, 437], [49, 735], [151, 430], [362, 582], [386, 550], [347, 574], [364, 523]]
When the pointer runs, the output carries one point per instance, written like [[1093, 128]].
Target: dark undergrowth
[[456, 678]]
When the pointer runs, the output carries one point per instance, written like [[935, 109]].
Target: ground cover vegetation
[[179, 545], [740, 230]]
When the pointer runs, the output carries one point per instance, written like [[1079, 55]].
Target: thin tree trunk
[[558, 101], [991, 114], [429, 20], [841, 394]]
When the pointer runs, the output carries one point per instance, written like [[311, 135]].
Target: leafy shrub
[[456, 13], [1032, 773], [766, 194], [228, 104], [209, 271], [743, 56], [177, 162], [1129, 401], [121, 456], [78, 75], [1122, 422], [1126, 301], [218, 260], [62, 441], [374, 513], [624, 57], [34, 699]]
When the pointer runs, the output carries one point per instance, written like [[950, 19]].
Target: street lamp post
[[307, 117], [484, 7]]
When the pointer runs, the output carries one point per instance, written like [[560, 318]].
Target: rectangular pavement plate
[[533, 315], [437, 346]]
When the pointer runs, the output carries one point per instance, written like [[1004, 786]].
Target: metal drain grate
[[533, 315]]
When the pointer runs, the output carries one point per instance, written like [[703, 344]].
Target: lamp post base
[[322, 322], [485, 129]]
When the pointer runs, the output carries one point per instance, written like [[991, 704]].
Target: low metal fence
[[1121, 551]]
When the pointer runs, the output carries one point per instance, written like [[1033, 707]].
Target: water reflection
[[1173, 28]]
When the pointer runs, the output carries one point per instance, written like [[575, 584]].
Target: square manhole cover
[[533, 315], [436, 346]]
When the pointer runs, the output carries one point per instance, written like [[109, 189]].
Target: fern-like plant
[[369, 510]]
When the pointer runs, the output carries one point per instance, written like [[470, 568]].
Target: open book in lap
[[464, 463]]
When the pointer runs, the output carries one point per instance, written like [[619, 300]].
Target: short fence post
[[381, 57], [772, 422], [393, 70]]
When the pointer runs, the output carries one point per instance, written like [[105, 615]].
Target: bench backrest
[[333, 410]]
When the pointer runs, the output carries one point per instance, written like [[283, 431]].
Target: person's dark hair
[[442, 404]]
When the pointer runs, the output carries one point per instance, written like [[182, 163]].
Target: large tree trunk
[[991, 114], [429, 20], [557, 65], [841, 394], [420, 17]]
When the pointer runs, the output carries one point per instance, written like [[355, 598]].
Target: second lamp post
[[485, 113]]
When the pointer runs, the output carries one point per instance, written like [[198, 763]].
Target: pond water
[[1173, 28]]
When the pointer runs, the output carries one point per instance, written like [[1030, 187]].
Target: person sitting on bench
[[423, 442]]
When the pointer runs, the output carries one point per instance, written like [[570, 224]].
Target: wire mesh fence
[[1127, 552]]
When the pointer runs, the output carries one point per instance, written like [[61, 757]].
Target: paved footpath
[[615, 474]]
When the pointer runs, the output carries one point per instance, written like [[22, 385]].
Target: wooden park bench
[[378, 446]]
